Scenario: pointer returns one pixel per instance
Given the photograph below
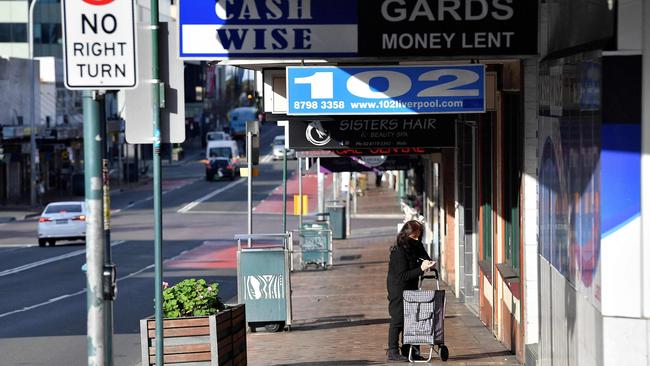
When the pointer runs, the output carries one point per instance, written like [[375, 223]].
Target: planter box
[[205, 340]]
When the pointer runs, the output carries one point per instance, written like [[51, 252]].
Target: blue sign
[[386, 90], [221, 29]]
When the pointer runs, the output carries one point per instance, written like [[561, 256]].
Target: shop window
[[486, 177], [512, 172]]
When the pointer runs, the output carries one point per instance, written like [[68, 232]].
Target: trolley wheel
[[444, 353], [274, 327]]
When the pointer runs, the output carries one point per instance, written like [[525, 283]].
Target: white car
[[62, 221], [278, 146]]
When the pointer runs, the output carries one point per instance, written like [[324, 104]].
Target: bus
[[237, 119]]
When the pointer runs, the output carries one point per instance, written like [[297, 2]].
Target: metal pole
[[157, 182], [32, 136], [348, 230], [645, 158], [94, 231], [284, 191], [249, 163], [321, 187], [108, 302], [400, 186], [300, 192]]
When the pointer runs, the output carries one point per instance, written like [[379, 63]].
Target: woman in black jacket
[[408, 261]]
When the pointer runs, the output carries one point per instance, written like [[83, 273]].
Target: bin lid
[[322, 216]]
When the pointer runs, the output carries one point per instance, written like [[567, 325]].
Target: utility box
[[337, 220]]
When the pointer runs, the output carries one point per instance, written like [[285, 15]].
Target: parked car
[[278, 146], [62, 221], [221, 159], [217, 136]]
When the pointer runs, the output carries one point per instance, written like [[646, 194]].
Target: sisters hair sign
[[271, 29]]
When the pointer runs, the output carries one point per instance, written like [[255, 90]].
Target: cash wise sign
[[352, 28], [99, 44], [250, 28]]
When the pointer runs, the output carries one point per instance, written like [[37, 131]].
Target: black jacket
[[404, 268]]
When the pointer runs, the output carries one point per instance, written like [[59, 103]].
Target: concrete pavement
[[341, 315]]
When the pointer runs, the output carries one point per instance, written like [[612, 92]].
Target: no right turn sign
[[99, 44]]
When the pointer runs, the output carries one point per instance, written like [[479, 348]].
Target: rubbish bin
[[315, 246], [337, 220], [263, 282]]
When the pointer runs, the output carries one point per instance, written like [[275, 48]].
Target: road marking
[[231, 213], [43, 262], [130, 205], [185, 209], [18, 246], [50, 301], [193, 204], [267, 158], [66, 296]]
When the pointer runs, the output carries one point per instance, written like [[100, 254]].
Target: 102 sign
[[386, 90]]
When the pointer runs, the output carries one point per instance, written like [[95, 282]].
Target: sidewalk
[[341, 315]]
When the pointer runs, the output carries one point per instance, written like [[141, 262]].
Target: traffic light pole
[[95, 306], [157, 182]]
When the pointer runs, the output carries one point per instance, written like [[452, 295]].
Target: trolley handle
[[434, 276]]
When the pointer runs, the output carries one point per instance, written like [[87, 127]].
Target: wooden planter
[[213, 340]]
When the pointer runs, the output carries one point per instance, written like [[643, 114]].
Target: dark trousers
[[396, 311]]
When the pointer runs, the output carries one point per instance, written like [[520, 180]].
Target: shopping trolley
[[424, 319]]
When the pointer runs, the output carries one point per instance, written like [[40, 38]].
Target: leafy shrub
[[191, 297]]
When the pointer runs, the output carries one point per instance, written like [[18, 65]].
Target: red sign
[[98, 2], [384, 151]]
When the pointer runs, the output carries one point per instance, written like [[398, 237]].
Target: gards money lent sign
[[448, 27]]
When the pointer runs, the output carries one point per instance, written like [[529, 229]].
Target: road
[[42, 290]]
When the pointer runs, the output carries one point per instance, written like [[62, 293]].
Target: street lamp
[[32, 138]]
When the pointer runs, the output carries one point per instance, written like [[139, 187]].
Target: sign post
[[98, 338], [99, 54], [157, 182]]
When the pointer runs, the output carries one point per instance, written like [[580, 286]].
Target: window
[[50, 33], [70, 208], [220, 152], [513, 152], [486, 177], [13, 32]]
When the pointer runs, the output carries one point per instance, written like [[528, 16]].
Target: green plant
[[191, 297]]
